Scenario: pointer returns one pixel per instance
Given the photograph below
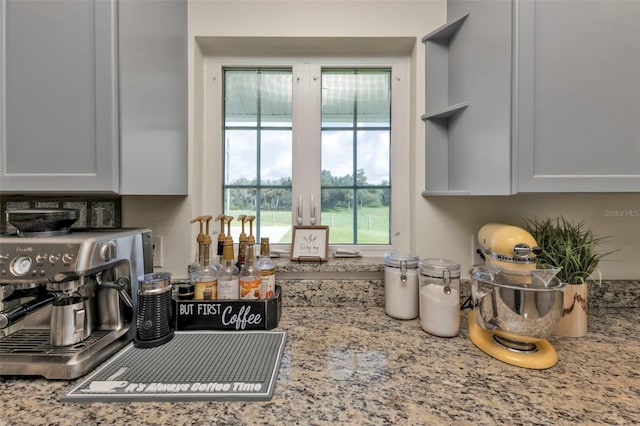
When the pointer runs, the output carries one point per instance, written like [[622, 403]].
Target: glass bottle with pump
[[197, 263], [206, 277], [186, 290], [228, 280], [267, 270], [242, 242], [249, 275], [221, 238]]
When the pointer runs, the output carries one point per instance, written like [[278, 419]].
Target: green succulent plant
[[570, 246]]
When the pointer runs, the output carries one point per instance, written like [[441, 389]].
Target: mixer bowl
[[527, 303]]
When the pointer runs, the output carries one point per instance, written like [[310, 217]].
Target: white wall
[[443, 227]]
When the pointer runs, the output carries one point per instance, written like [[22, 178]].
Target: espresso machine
[[67, 298]]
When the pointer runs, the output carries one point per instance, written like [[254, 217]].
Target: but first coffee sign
[[229, 314]]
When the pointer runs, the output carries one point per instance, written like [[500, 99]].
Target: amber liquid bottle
[[267, 271], [206, 281], [250, 276], [228, 281]]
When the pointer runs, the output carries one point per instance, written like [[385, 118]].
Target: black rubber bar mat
[[193, 366]]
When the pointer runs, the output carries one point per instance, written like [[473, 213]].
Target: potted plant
[[572, 247]]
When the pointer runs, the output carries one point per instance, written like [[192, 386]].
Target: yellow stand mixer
[[515, 304]]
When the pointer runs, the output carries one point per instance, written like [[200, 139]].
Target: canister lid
[[396, 259], [435, 267]]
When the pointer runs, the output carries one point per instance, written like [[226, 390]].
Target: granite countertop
[[354, 365]]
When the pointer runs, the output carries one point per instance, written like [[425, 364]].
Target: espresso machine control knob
[[68, 258], [108, 251], [21, 265]]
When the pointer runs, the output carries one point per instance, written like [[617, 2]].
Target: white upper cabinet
[[578, 96], [59, 96], [533, 96], [152, 58], [79, 112]]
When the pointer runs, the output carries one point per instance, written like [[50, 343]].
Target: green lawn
[[372, 225]]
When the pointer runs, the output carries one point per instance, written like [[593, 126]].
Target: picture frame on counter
[[310, 243]]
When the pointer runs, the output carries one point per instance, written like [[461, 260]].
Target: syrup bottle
[[242, 242], [249, 275], [206, 277], [221, 238], [197, 263], [228, 280], [267, 270]]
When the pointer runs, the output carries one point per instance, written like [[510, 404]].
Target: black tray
[[229, 314]]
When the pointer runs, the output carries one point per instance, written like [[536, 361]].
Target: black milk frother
[[155, 319]]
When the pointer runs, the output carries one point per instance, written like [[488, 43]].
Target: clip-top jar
[[440, 297], [401, 285]]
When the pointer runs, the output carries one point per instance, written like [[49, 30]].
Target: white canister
[[401, 285], [440, 297]]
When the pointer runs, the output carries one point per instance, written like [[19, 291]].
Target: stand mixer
[[516, 305], [67, 298]]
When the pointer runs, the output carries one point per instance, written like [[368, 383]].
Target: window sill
[[343, 268]]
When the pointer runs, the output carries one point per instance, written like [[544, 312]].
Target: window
[[356, 134], [257, 149], [313, 143]]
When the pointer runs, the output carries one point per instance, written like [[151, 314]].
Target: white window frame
[[307, 100]]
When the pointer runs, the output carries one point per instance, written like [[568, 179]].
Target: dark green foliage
[[571, 246]]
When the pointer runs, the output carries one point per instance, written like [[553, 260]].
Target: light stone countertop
[[355, 365]]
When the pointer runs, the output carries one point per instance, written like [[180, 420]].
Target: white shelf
[[444, 193], [445, 112], [445, 32], [440, 112]]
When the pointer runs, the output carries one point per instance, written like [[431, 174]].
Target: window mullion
[[354, 148], [258, 152], [306, 141]]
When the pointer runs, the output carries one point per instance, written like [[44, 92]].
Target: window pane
[[275, 157], [240, 98], [337, 158], [373, 157], [241, 157], [374, 99], [239, 201], [258, 151], [337, 213], [373, 216], [275, 215], [275, 98], [338, 95], [273, 220], [356, 155]]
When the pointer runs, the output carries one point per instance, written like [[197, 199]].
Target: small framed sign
[[310, 244]]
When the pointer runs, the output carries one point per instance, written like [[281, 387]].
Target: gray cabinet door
[[578, 96], [59, 91], [153, 97]]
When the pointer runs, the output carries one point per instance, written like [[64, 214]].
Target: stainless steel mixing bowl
[[523, 302]]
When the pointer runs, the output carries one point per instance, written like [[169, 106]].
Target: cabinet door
[[578, 97], [153, 97], [59, 92]]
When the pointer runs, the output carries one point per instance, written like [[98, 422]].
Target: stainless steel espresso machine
[[67, 298]]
